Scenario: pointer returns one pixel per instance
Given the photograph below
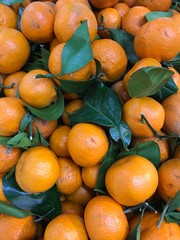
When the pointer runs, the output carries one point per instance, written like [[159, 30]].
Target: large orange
[[37, 169], [37, 22], [153, 5], [155, 36], [8, 18], [103, 3], [131, 180], [15, 50], [112, 57], [69, 17], [105, 220], [152, 110], [11, 113], [66, 226], [59, 3], [87, 144]]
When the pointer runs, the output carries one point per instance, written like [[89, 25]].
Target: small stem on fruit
[[7, 87], [163, 213], [151, 208]]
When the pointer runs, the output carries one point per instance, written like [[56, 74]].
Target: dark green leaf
[[52, 112], [175, 215], [25, 121], [40, 204], [174, 62], [171, 219], [133, 235], [148, 81], [38, 139], [156, 14], [77, 51], [4, 140], [20, 140], [127, 42], [45, 56], [10, 2], [175, 203], [12, 211]]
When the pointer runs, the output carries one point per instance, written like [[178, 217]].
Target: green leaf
[[52, 112], [148, 81], [156, 14], [175, 215], [25, 121], [108, 160], [10, 2], [134, 232], [38, 139], [127, 42], [175, 203], [20, 140], [77, 51], [12, 211], [171, 219], [41, 204], [149, 150], [4, 140]]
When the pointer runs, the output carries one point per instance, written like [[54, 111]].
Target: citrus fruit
[[153, 5], [90, 175], [8, 17], [103, 4], [72, 207]]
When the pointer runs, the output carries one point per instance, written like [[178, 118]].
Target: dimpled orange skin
[[135, 184], [87, 144], [59, 3], [153, 5], [66, 226], [152, 110], [103, 3], [8, 18], [11, 113], [105, 220], [37, 169]]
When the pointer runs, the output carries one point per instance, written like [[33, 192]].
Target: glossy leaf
[[20, 140], [77, 51], [175, 202], [157, 14], [25, 121], [13, 211], [148, 81]]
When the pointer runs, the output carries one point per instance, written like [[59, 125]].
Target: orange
[[55, 65], [172, 113], [112, 57], [69, 179], [13, 80], [15, 50], [37, 22], [87, 144], [70, 96], [11, 113], [69, 108], [175, 77], [37, 169], [111, 19], [59, 3], [66, 226], [130, 3], [90, 175], [142, 63], [69, 17], [2, 196], [155, 36], [53, 44], [17, 228], [176, 17], [122, 8], [58, 141], [134, 19], [37, 92], [105, 220], [131, 180], [176, 153], [82, 195], [118, 87], [72, 207], [169, 175], [46, 127], [152, 110], [8, 158], [153, 5], [103, 3], [150, 231], [8, 18]]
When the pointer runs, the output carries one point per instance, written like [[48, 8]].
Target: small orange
[[90, 175], [8, 17], [11, 113], [70, 96], [118, 87], [69, 108], [103, 3], [15, 50], [72, 207], [2, 196], [53, 44], [87, 144], [105, 220], [112, 57], [172, 114], [134, 19], [155, 36], [59, 3], [122, 8], [58, 141], [37, 22], [66, 226], [69, 17], [169, 175], [111, 19], [37, 169], [153, 5], [55, 65], [8, 158], [175, 77], [69, 179], [37, 92], [136, 178], [13, 80], [12, 228]]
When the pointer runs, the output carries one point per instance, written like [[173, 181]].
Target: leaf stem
[[163, 213], [7, 87]]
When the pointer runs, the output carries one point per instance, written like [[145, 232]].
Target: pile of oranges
[[90, 120]]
